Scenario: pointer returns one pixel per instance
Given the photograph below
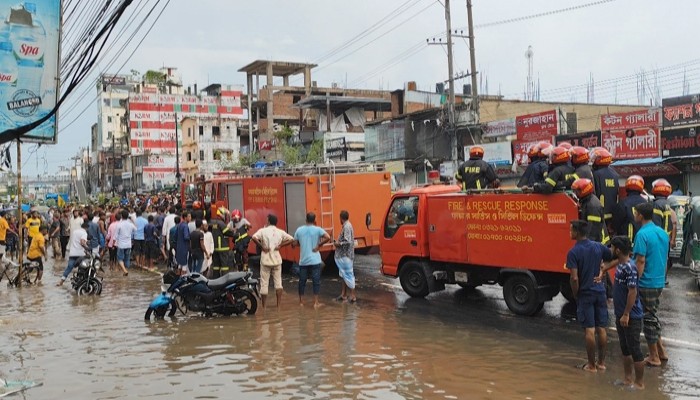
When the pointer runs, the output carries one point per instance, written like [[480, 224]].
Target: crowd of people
[[152, 231]]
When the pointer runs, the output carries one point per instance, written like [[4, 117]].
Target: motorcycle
[[85, 279], [233, 293]]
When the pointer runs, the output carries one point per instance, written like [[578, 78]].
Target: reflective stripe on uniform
[[478, 184], [594, 218], [630, 230], [608, 216], [551, 182], [576, 177], [243, 236]]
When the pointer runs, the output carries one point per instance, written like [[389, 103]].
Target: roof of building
[[279, 68], [342, 103]]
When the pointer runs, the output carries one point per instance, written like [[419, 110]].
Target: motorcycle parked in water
[[85, 279], [233, 293]]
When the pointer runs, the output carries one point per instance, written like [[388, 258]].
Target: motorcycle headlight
[[98, 265], [85, 264]]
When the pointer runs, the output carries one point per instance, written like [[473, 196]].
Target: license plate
[[461, 277]]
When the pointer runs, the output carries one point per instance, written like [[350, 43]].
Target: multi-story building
[[208, 144]]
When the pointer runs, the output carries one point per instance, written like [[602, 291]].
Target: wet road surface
[[452, 345]]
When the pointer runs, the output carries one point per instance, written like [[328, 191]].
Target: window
[[109, 135], [217, 155], [403, 211], [201, 131], [109, 120], [105, 102], [201, 155], [189, 156], [189, 131], [215, 131]]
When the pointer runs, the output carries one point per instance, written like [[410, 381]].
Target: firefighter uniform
[[623, 215], [476, 174], [221, 258], [607, 188], [662, 214], [583, 172], [560, 177], [534, 173], [591, 210]]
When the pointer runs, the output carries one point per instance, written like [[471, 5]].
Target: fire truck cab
[[437, 234]]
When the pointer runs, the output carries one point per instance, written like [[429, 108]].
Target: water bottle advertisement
[[29, 52]]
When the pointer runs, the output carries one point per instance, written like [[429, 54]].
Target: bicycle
[[30, 272]]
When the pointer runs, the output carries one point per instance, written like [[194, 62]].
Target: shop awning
[[646, 167]]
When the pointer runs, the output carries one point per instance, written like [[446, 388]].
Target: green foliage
[[315, 154], [50, 203], [154, 77]]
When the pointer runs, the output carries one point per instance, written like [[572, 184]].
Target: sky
[[209, 40]]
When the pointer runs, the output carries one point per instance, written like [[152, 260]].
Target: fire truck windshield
[[192, 192]]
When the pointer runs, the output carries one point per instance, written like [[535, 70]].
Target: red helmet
[[533, 151], [197, 205], [635, 183], [236, 214], [559, 155], [476, 152], [582, 188], [661, 187], [565, 145], [579, 155], [601, 157]]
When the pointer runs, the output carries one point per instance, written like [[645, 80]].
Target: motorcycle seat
[[222, 282]]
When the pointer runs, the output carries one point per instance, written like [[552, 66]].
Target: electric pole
[[472, 59], [177, 155], [451, 78]]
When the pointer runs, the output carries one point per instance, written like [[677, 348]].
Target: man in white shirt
[[270, 239], [76, 221], [77, 245], [168, 223], [125, 233]]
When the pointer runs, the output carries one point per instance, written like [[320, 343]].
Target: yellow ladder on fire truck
[[325, 190]]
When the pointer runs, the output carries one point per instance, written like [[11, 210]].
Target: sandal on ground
[[340, 298]]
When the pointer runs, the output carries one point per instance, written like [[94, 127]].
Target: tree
[[315, 154], [154, 77]]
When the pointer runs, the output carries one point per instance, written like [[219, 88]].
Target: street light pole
[[177, 155]]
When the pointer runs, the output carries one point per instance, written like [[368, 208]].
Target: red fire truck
[[291, 192], [436, 235]]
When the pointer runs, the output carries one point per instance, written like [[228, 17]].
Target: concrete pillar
[[249, 82], [307, 80], [270, 103], [285, 80]]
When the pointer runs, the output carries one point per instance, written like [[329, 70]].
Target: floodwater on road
[[454, 345]]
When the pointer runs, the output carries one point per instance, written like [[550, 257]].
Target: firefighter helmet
[[582, 188], [565, 145], [534, 151], [601, 157], [635, 183], [559, 155], [544, 148], [236, 214], [197, 205], [476, 152], [661, 187], [579, 155]]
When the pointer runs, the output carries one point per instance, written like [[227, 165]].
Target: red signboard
[[264, 145], [535, 127], [647, 170], [520, 149], [632, 134]]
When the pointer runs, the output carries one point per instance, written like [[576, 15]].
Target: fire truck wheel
[[413, 280], [521, 296]]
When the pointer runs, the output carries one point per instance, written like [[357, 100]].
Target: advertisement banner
[[520, 149], [494, 153], [632, 134], [680, 142], [29, 50], [681, 111], [587, 140], [540, 126], [500, 128]]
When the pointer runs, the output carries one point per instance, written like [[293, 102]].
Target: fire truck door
[[402, 234], [295, 205], [234, 194]]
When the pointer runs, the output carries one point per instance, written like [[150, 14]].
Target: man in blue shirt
[[651, 254], [628, 310], [584, 261], [310, 238], [139, 243]]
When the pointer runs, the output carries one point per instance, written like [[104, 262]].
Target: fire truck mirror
[[368, 220]]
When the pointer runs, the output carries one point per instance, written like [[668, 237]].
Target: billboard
[[680, 142], [587, 139], [520, 148], [29, 52], [500, 128], [494, 153], [539, 126], [681, 111], [632, 134]]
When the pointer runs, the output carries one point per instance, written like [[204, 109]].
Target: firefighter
[[560, 172], [221, 258], [579, 160], [476, 173], [606, 181], [590, 210], [537, 169], [664, 217], [240, 228], [624, 222], [197, 212]]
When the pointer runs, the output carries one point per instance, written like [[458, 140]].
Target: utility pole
[[114, 159], [472, 57], [450, 69], [177, 155], [20, 227]]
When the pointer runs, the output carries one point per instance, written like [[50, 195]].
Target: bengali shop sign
[[520, 148], [681, 111], [680, 142], [500, 128], [494, 153], [632, 134], [535, 127], [587, 139]]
